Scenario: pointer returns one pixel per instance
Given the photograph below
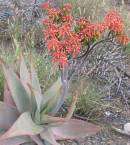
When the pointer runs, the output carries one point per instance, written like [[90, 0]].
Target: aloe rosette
[[26, 116]]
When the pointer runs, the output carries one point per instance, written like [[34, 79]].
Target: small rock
[[127, 127], [108, 113]]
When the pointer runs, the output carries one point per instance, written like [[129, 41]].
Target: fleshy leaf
[[29, 143], [17, 90], [47, 135], [24, 125], [8, 115], [36, 88], [25, 75], [37, 139], [37, 117], [52, 94], [50, 119], [7, 95], [16, 140], [74, 129]]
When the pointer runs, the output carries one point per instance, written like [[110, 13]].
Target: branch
[[90, 48], [85, 52], [64, 79], [119, 69]]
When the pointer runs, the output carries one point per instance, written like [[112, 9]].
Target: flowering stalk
[[61, 39], [64, 79], [65, 35]]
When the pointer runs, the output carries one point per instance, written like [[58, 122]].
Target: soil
[[104, 138]]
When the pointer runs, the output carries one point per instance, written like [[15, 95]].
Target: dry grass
[[92, 9]]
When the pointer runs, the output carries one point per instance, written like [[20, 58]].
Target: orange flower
[[53, 13], [52, 43], [114, 22], [50, 31], [88, 31], [67, 19], [60, 58], [123, 39], [99, 27], [67, 6], [83, 23], [64, 29]]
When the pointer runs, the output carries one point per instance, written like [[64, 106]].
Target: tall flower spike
[[61, 39], [63, 36]]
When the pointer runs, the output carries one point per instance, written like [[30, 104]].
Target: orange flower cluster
[[88, 30], [64, 35], [61, 40], [114, 22]]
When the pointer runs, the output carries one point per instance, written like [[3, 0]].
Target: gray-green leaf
[[25, 75], [74, 129], [18, 91], [16, 140], [36, 88], [50, 97], [47, 135], [8, 115], [24, 125]]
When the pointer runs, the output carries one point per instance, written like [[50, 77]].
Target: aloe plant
[[27, 115]]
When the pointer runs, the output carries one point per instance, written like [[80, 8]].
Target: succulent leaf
[[51, 95], [47, 135], [16, 141], [17, 90], [74, 129], [37, 139], [36, 88], [7, 95], [31, 143], [25, 75], [24, 125], [37, 117], [33, 106], [38, 124], [8, 115], [50, 119]]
